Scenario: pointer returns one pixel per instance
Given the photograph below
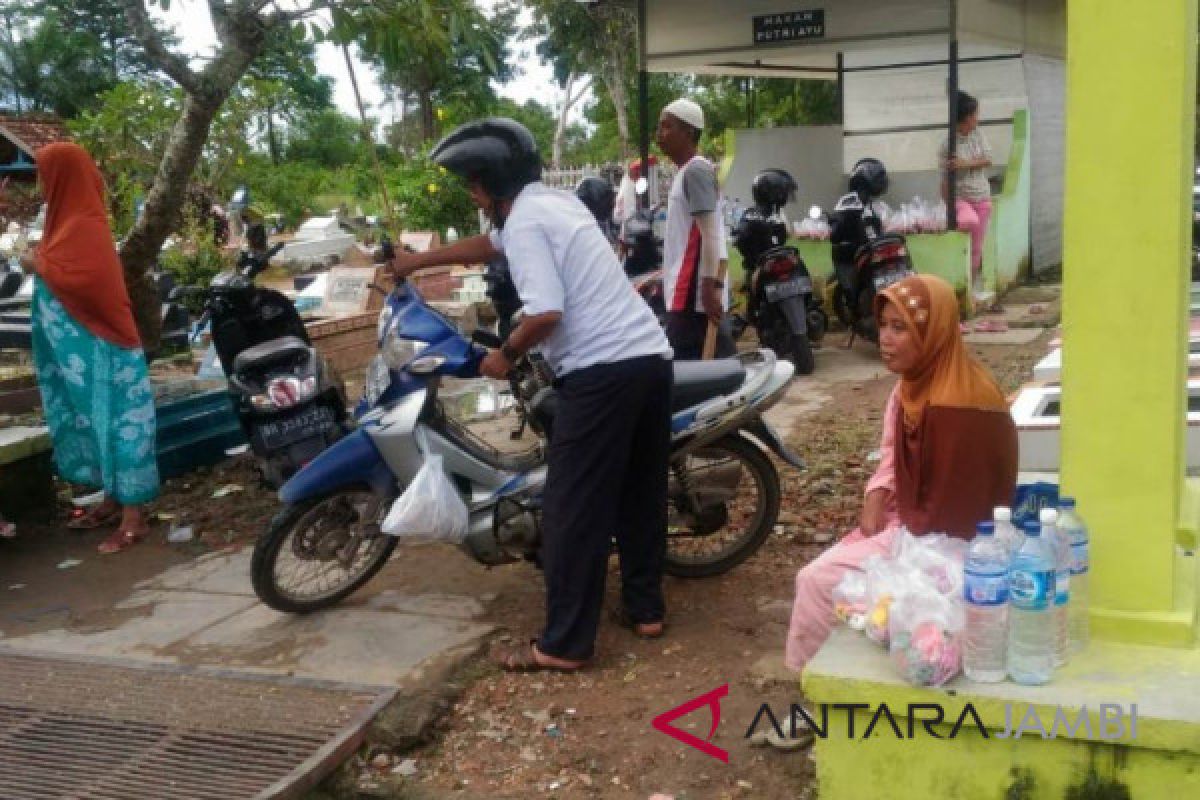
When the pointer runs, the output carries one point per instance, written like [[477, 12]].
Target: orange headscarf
[[76, 257], [945, 374], [956, 444]]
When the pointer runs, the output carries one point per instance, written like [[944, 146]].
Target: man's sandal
[[524, 659], [122, 539]]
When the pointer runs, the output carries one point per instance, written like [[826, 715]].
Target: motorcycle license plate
[[886, 279], [790, 288], [282, 432]]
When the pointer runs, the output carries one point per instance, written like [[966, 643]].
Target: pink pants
[[973, 216], [812, 610]]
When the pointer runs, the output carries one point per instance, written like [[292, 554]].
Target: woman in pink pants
[[972, 192], [949, 450]]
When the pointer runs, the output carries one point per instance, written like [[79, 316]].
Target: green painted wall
[[1006, 250]]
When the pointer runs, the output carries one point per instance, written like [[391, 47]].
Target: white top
[[560, 261], [693, 191]]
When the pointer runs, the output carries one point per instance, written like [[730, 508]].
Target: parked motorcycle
[[326, 543], [781, 304], [865, 259], [290, 401]]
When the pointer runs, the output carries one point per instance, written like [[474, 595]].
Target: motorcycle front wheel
[[723, 503], [319, 551]]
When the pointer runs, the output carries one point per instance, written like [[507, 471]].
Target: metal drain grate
[[102, 730]]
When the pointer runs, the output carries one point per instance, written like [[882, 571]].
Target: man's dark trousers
[[608, 462], [686, 331]]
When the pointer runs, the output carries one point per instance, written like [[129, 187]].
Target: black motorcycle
[[781, 304], [865, 259], [290, 401]]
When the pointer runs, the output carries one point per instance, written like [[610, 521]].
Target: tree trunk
[[272, 137], [570, 98], [614, 82], [428, 119], [163, 205]]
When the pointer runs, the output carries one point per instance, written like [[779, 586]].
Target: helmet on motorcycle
[[869, 178], [498, 152], [599, 196], [773, 189]]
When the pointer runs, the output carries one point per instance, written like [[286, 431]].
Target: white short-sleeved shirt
[[693, 191], [560, 261]]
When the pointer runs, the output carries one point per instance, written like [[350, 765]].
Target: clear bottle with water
[[1031, 588], [1062, 584], [1006, 532], [1071, 524], [985, 589]]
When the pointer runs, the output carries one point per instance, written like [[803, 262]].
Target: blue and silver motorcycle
[[327, 541]]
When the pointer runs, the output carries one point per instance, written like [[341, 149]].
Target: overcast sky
[[194, 27]]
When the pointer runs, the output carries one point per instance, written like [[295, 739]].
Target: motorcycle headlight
[[379, 378], [398, 351]]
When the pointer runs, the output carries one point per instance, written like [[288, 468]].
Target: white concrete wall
[[1045, 79], [812, 155]]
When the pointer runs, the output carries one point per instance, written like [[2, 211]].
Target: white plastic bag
[[925, 631], [430, 507]]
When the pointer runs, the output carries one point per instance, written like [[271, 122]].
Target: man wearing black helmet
[[608, 457]]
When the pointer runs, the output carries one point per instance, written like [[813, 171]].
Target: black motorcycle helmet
[[773, 189], [498, 152], [869, 179], [599, 196]]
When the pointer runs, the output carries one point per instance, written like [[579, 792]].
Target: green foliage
[[290, 188], [327, 138], [428, 198], [46, 67], [195, 258]]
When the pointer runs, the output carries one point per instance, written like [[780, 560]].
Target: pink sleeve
[[885, 473]]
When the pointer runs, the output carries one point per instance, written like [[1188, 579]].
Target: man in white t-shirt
[[694, 241], [610, 447]]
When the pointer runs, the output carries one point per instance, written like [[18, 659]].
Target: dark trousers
[[608, 463], [686, 331]]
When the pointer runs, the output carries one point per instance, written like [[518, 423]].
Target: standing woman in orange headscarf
[[948, 456], [96, 392]]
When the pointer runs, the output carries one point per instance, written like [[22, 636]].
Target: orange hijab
[[76, 257], [956, 444]]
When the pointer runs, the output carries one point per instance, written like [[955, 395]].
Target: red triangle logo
[[662, 723]]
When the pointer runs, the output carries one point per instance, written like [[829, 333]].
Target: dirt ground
[[589, 735], [518, 736]]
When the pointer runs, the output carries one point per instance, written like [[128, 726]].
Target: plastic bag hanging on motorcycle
[[430, 507]]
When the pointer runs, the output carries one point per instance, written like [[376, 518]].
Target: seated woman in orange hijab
[[96, 392], [949, 451]]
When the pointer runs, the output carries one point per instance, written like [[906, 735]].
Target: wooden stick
[[710, 338]]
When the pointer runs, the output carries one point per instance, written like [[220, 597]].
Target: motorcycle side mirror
[[814, 212], [641, 186]]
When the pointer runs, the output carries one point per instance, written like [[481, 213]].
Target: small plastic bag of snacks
[[925, 629], [850, 600]]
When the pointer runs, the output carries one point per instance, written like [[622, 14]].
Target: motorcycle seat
[[697, 381], [269, 351]]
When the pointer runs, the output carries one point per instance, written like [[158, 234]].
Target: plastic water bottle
[[1062, 584], [1006, 532], [985, 589], [1031, 587], [1075, 529]]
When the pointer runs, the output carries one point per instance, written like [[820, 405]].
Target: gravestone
[[348, 290]]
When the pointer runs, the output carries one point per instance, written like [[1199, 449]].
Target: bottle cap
[[986, 528], [1066, 502], [1002, 514], [1048, 516]]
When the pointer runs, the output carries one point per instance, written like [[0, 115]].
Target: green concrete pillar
[[1131, 82]]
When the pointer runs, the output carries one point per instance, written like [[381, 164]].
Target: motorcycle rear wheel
[[334, 542], [735, 521], [867, 328]]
